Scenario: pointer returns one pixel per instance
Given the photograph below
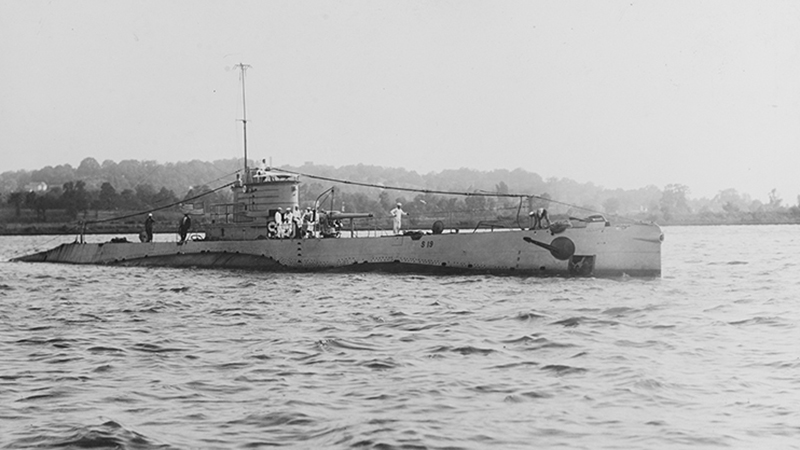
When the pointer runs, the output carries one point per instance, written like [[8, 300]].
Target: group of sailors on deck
[[297, 224]]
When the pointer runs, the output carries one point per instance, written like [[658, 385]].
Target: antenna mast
[[243, 68]]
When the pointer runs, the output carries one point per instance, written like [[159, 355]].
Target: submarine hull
[[633, 250]]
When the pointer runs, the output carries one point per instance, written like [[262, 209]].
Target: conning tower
[[254, 205]]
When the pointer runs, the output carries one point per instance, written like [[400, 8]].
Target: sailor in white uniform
[[398, 214]]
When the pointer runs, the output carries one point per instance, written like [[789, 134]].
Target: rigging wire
[[441, 192], [186, 200], [81, 229]]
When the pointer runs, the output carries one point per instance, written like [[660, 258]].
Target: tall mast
[[243, 68]]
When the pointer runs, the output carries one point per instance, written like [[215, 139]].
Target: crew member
[[308, 219], [288, 221], [296, 221], [539, 216], [261, 171], [279, 222], [148, 227], [183, 229], [398, 214]]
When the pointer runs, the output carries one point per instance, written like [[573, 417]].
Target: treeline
[[125, 175], [73, 199], [132, 185]]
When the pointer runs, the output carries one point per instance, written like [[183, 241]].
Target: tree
[[730, 207], [501, 188], [129, 201], [146, 194], [730, 201], [108, 198], [165, 197], [50, 200], [361, 202], [385, 200], [476, 202], [774, 200], [89, 167], [205, 198], [41, 204], [611, 205], [17, 199], [30, 201], [673, 200], [756, 206], [75, 199]]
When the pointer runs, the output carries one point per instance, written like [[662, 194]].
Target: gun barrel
[[342, 215]]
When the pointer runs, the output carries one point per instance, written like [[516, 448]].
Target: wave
[[560, 369], [464, 350]]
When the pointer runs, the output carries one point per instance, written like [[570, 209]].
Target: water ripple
[[704, 356]]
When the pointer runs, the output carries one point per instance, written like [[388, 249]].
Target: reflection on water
[[109, 357]]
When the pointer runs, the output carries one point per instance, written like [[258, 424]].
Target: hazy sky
[[622, 94]]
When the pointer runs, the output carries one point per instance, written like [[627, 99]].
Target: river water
[[139, 358]]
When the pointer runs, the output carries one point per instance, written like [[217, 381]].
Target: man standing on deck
[[398, 214], [183, 229], [308, 223], [148, 227]]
